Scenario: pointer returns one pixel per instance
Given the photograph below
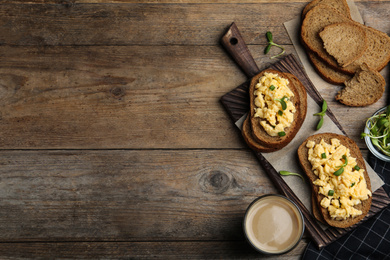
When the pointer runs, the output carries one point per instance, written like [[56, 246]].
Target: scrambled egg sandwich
[[338, 177], [278, 104]]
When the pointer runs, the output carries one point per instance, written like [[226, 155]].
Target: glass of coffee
[[273, 224]]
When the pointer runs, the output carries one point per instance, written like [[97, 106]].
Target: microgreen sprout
[[287, 173], [271, 43], [321, 114], [379, 131]]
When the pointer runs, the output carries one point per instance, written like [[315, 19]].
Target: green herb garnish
[[323, 155], [339, 171], [280, 112], [330, 192], [271, 43], [282, 133], [345, 161], [272, 87], [353, 184], [379, 131], [321, 114], [282, 102], [357, 168], [287, 173]]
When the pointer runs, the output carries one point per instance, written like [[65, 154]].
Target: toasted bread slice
[[377, 54], [346, 42], [315, 210], [364, 206], [365, 88], [247, 131], [252, 143], [327, 73], [340, 5], [299, 101]]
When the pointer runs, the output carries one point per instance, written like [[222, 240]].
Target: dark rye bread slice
[[300, 103], [307, 167], [377, 54], [252, 143], [346, 42], [247, 129], [326, 72], [315, 210], [340, 5], [365, 88]]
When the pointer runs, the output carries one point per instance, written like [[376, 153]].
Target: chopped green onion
[[330, 192], [282, 102], [323, 155], [282, 133], [339, 171], [357, 168], [353, 184], [345, 161], [280, 112], [272, 87]]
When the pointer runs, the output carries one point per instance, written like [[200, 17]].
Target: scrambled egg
[[341, 192], [269, 92]]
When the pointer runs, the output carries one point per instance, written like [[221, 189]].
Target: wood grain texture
[[127, 195], [116, 97], [141, 250], [128, 97], [155, 24], [70, 2], [113, 141], [139, 24]]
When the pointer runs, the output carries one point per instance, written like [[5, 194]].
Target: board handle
[[234, 44]]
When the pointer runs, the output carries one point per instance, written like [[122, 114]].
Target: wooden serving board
[[236, 103]]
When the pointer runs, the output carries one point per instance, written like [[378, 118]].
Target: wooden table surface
[[114, 143]]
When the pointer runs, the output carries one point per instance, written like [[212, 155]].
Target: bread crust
[[327, 73], [342, 6], [300, 102], [306, 166], [343, 50], [365, 88], [320, 16], [247, 130], [252, 143]]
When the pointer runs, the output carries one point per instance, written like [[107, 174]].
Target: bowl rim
[[370, 146]]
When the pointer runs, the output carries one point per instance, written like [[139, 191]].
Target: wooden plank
[[71, 2], [123, 195], [154, 24], [117, 97], [120, 97], [139, 24], [141, 250]]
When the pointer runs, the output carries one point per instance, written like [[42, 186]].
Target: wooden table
[[113, 141]]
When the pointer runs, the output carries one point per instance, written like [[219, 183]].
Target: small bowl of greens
[[377, 134]]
